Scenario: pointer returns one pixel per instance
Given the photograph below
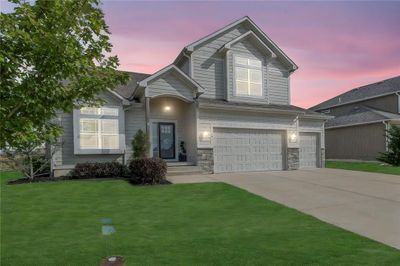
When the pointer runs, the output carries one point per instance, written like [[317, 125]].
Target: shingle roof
[[265, 106], [127, 89], [364, 92], [361, 114]]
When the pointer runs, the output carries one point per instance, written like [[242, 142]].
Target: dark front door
[[166, 133]]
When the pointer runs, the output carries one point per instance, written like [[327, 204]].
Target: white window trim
[[235, 94], [76, 132]]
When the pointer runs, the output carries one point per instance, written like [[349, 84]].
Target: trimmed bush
[[148, 171], [99, 170]]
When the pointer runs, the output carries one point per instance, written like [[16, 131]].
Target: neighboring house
[[226, 96], [361, 117]]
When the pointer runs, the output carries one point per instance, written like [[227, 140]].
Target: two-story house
[[362, 115], [226, 97]]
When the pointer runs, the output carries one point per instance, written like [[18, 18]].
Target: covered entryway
[[238, 150], [308, 150]]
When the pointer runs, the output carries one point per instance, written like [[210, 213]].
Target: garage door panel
[[308, 150], [237, 150]]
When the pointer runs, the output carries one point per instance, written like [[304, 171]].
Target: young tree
[[52, 58], [140, 144], [392, 156]]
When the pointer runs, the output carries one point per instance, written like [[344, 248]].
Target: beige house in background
[[361, 117]]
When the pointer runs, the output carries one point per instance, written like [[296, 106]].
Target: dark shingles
[[361, 114], [391, 85], [127, 89]]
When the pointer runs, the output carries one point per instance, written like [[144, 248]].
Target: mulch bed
[[26, 180]]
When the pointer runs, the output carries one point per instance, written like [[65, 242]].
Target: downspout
[[398, 101]]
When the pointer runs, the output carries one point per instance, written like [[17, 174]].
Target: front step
[[183, 170]]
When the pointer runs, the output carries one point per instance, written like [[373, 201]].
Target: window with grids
[[248, 77], [99, 128]]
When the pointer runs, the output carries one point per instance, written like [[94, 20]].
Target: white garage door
[[237, 150], [308, 150]]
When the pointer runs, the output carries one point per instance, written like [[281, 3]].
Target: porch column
[[147, 115]]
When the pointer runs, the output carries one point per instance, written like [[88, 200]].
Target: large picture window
[[248, 77], [98, 128]]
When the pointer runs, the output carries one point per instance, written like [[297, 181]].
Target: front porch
[[171, 126]]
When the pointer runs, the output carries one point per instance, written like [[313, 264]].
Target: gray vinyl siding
[[210, 74], [278, 82], [210, 69], [134, 120], [209, 65], [246, 49], [65, 155], [387, 103], [363, 142], [67, 149], [185, 67], [171, 85]]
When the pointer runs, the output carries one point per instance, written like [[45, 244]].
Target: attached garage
[[308, 150], [238, 150]]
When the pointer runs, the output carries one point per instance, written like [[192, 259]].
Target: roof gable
[[179, 74], [252, 27], [250, 36], [374, 90]]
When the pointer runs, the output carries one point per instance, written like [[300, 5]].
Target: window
[[248, 75], [98, 128]]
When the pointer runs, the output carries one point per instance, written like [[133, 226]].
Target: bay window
[[248, 77]]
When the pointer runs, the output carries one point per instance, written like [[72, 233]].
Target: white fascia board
[[191, 46], [171, 67], [250, 34], [124, 101]]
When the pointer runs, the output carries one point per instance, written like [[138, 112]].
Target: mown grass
[[59, 223], [367, 167]]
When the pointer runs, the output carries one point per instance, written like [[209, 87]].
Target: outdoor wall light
[[205, 135], [293, 137], [167, 108]]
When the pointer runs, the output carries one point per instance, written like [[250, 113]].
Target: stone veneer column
[[292, 158], [205, 159], [322, 158]]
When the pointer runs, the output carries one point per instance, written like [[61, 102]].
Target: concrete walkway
[[365, 203]]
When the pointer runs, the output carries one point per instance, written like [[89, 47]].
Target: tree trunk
[[30, 167]]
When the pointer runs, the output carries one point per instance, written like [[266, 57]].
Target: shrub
[[140, 144], [99, 170], [392, 156], [148, 171]]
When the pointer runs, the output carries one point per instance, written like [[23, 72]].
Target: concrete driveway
[[365, 203]]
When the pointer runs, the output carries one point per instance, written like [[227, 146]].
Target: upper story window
[[99, 130], [248, 77]]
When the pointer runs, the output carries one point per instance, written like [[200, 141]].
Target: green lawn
[[367, 167], [59, 223]]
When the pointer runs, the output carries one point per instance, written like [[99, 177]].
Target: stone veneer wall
[[322, 158], [205, 160], [293, 158]]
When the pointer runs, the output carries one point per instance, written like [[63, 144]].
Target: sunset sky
[[337, 45]]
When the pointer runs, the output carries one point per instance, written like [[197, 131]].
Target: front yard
[[59, 223], [367, 167]]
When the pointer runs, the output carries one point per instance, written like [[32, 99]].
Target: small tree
[[140, 145], [392, 156]]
